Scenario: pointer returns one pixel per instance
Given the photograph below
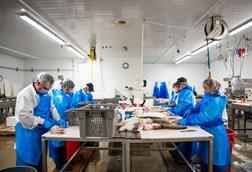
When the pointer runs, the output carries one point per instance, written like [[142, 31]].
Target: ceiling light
[[183, 59], [204, 47], [42, 29], [73, 50], [241, 27]]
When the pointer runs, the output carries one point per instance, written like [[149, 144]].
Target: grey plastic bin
[[72, 117], [99, 101], [96, 120]]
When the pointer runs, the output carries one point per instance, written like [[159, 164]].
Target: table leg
[[244, 122], [123, 157], [44, 156], [210, 156], [127, 154], [233, 119], [239, 112]]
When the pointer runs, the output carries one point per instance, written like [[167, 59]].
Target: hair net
[[68, 84], [45, 79], [212, 84]]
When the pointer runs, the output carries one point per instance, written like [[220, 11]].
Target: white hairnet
[[213, 84], [68, 84], [45, 79]]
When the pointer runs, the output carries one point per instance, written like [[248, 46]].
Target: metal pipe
[[36, 70]]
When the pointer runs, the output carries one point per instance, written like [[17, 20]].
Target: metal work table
[[246, 107], [7, 107], [72, 134], [7, 102], [162, 136]]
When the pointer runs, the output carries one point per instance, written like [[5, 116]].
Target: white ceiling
[[76, 20]]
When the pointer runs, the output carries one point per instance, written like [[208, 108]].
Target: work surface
[[72, 133]]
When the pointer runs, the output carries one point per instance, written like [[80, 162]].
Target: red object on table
[[231, 136], [71, 148]]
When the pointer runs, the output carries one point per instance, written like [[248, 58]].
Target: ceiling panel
[[168, 26]]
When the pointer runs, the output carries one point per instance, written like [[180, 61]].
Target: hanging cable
[[245, 55], [208, 60]]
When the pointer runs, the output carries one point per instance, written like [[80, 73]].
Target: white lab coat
[[27, 100]]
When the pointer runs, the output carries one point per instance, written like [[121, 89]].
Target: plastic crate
[[96, 120], [99, 101], [72, 116]]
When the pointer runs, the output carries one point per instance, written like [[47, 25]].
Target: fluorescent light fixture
[[42, 29], [73, 50], [183, 59], [241, 27], [204, 47]]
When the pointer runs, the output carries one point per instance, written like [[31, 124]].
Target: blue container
[[128, 114]]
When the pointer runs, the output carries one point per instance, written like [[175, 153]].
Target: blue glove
[[182, 122], [48, 124], [62, 123], [188, 111], [169, 109]]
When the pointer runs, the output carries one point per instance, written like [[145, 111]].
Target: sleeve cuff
[[41, 121]]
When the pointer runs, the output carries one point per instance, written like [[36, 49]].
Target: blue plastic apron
[[28, 142]]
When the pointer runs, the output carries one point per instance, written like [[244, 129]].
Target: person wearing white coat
[[34, 114]]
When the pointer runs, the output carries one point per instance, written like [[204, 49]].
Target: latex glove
[[62, 123], [47, 124], [182, 122]]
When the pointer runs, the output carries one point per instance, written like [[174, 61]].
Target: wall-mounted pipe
[[35, 70]]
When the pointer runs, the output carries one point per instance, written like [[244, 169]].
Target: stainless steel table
[[190, 134], [246, 107], [73, 134]]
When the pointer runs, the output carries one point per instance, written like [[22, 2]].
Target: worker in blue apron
[[174, 96], [185, 98], [33, 114], [208, 115], [62, 101], [83, 95]]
